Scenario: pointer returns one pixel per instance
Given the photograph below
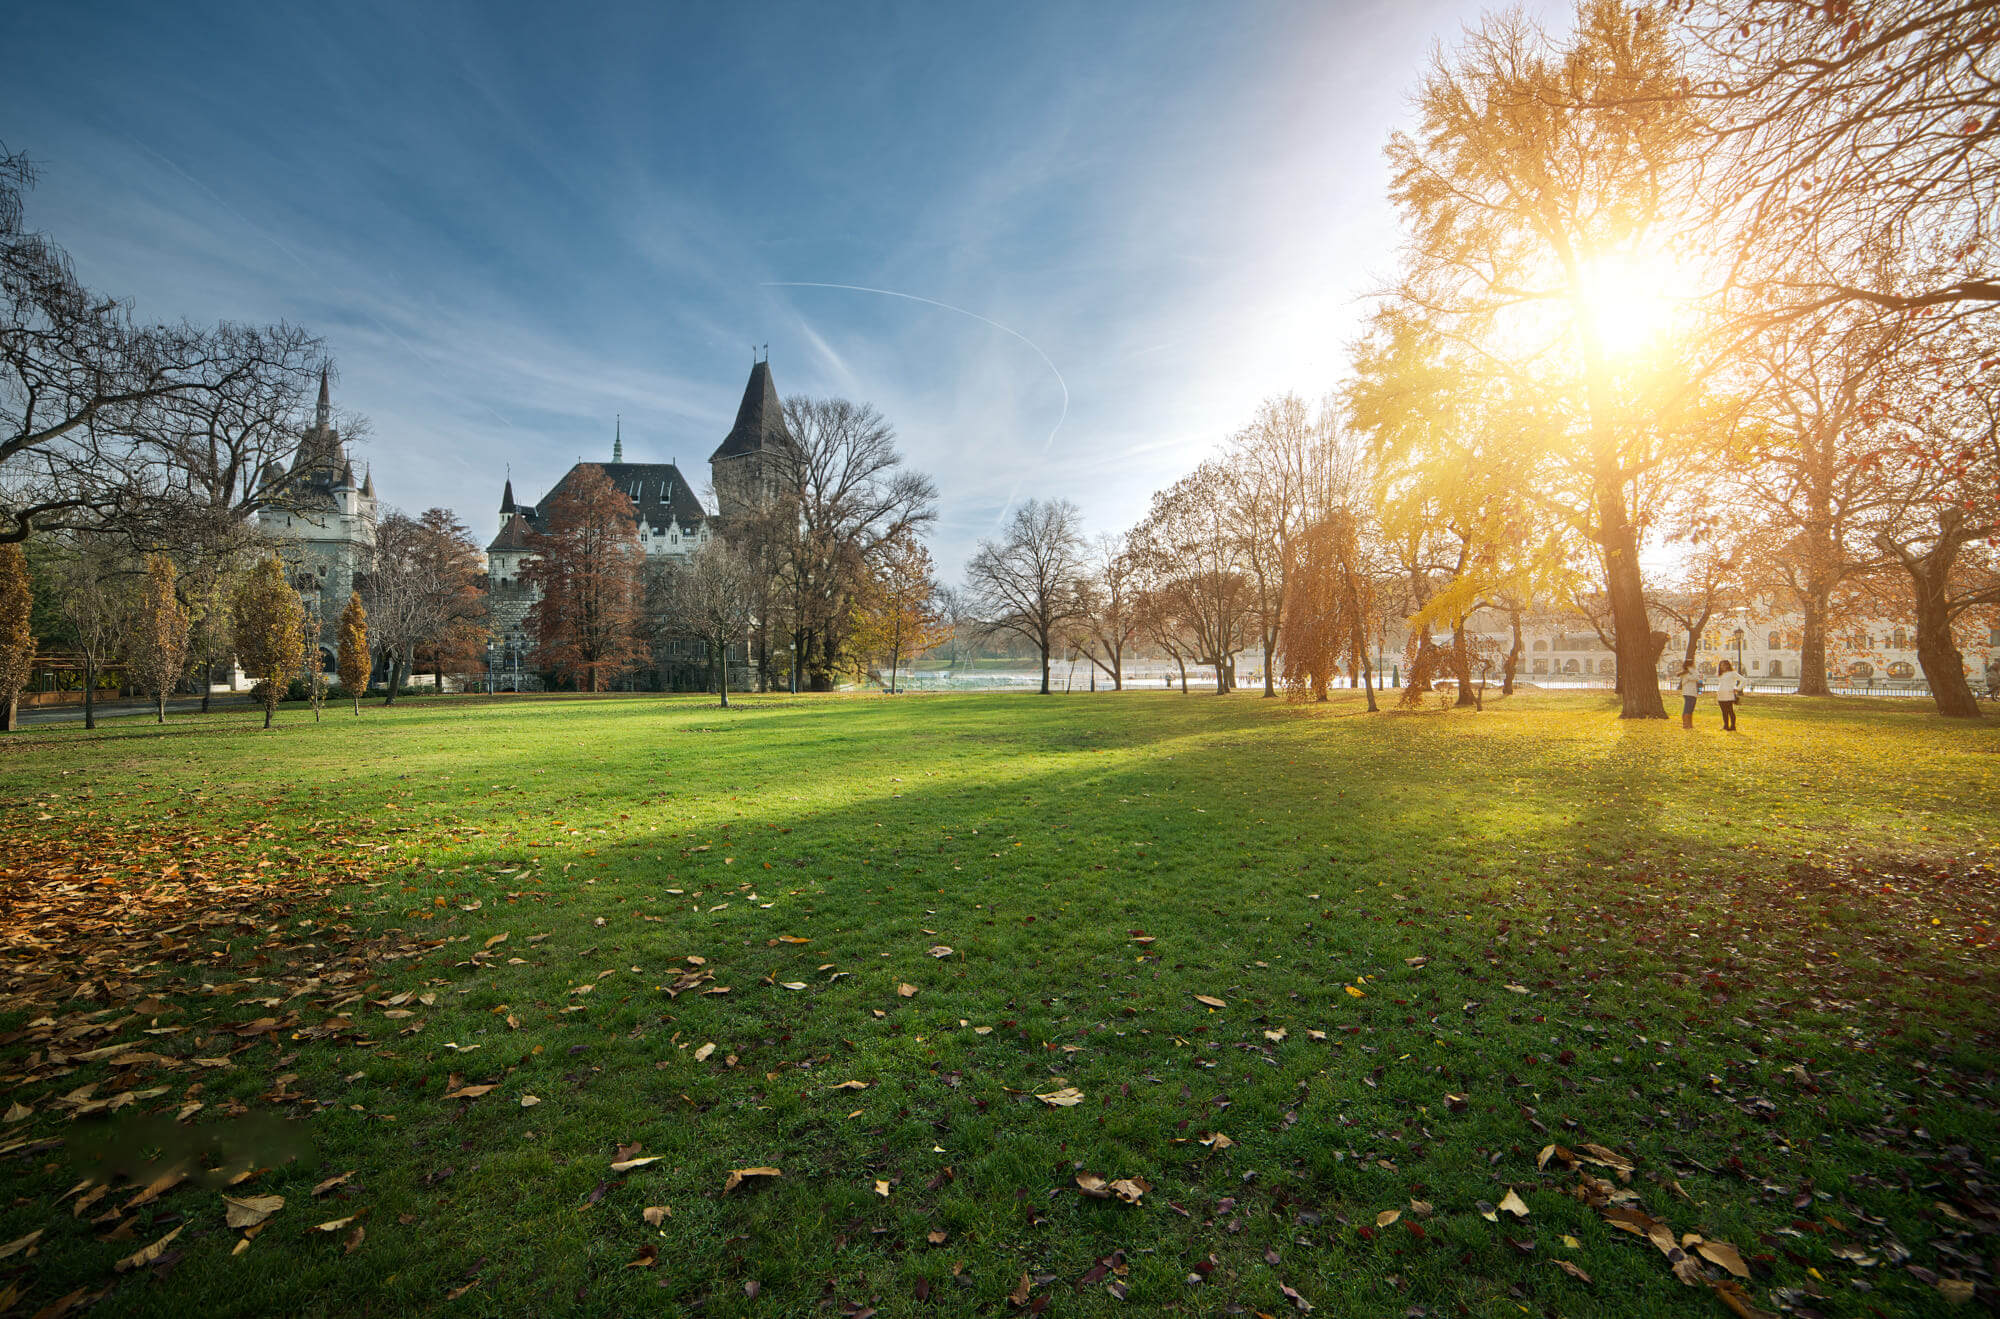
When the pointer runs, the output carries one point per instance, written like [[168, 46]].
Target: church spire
[[507, 500], [323, 415], [618, 439]]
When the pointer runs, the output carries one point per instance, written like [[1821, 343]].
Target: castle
[[671, 519], [323, 522]]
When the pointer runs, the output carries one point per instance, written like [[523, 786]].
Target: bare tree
[[837, 496], [1197, 569], [94, 576], [1028, 582], [1846, 130], [710, 599], [1110, 620]]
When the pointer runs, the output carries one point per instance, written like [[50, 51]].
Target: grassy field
[[1328, 984]]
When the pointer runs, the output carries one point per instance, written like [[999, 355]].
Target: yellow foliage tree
[[354, 662], [268, 618], [895, 611], [17, 640], [158, 653]]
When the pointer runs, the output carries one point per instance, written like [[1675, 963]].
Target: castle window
[[1772, 644], [1900, 642]]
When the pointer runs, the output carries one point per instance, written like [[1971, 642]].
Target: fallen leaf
[[1514, 1204], [701, 1055], [334, 1224], [627, 1165], [139, 1259], [472, 1091], [648, 1256], [1955, 1291], [792, 984], [1357, 993], [1067, 1097], [1387, 1217], [251, 1210], [1572, 1270], [1724, 1254], [881, 1188], [332, 1182], [849, 1085], [20, 1244], [656, 1215], [529, 1101], [906, 991], [940, 950], [1019, 1296], [1217, 1141], [1210, 1000], [738, 1176]]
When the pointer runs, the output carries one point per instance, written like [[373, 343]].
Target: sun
[[1622, 302]]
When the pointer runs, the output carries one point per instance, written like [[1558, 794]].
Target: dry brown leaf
[[334, 1224], [139, 1259], [250, 1210], [1387, 1217], [1738, 1302], [529, 1101], [354, 1239], [702, 1054], [881, 1188], [937, 1236], [332, 1182], [1215, 1140], [627, 1165], [472, 1091], [906, 991], [1514, 1204], [1210, 1000], [738, 1176], [20, 1244], [940, 950], [656, 1215], [1019, 1296], [1955, 1291], [1572, 1270], [849, 1085], [1724, 1254], [1067, 1097], [648, 1256]]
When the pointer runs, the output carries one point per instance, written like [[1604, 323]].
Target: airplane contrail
[[984, 320]]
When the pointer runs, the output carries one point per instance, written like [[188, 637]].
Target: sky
[[513, 224]]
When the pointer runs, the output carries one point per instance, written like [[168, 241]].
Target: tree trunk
[[1813, 607], [89, 692], [1514, 654], [1461, 657], [270, 704], [1045, 669], [1270, 643], [1632, 629], [1118, 669], [1183, 668], [394, 678], [160, 706], [722, 673], [895, 663], [207, 678], [10, 713], [1930, 576]]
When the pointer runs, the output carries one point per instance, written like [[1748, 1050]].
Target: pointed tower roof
[[760, 419], [346, 474], [323, 414], [368, 482], [618, 440], [507, 498]]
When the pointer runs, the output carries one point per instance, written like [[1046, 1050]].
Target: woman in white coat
[[1728, 687], [1690, 690]]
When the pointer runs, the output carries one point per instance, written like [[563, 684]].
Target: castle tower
[[742, 466]]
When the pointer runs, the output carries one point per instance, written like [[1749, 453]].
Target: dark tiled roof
[[760, 420], [659, 491]]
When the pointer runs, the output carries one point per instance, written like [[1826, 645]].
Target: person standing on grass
[[1728, 686], [1690, 688]]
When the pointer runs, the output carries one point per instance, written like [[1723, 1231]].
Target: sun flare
[[1622, 302]]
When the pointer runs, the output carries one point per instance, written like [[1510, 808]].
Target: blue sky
[[513, 222]]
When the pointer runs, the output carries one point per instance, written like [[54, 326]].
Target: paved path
[[60, 714]]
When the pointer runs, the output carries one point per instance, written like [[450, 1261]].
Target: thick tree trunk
[[10, 713], [1813, 607], [1045, 669], [89, 692], [1638, 680], [1118, 670], [1462, 658], [1270, 644], [270, 706], [394, 678], [160, 706], [1930, 578], [722, 674], [1183, 668]]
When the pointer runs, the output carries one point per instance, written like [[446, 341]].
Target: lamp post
[[793, 648], [1742, 622]]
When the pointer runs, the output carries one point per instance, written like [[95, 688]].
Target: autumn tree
[[92, 576], [1027, 583], [17, 637], [838, 496], [424, 591], [157, 655], [711, 598], [1195, 562], [1538, 191], [1109, 623], [267, 619], [896, 612], [353, 659], [1270, 464], [1844, 130], [588, 568], [1710, 581]]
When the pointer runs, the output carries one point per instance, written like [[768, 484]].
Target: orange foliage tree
[[588, 567]]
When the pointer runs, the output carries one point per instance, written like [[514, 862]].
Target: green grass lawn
[[1758, 969]]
